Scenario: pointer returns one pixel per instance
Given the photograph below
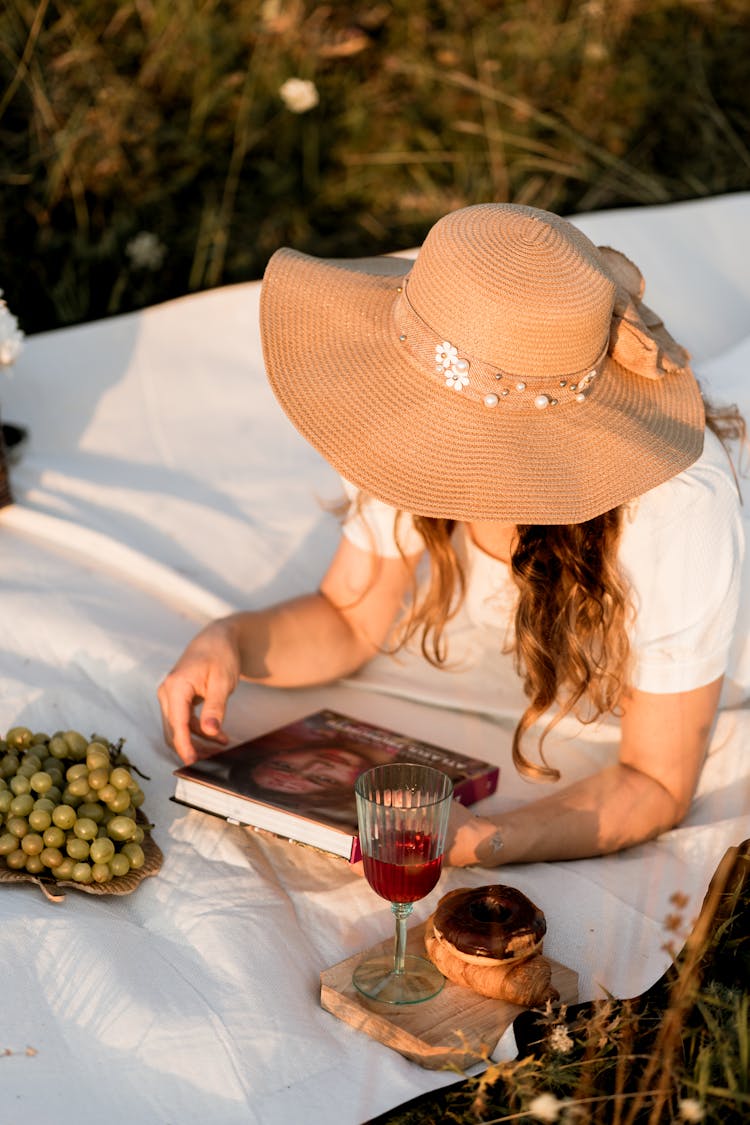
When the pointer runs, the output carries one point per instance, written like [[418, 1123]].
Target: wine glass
[[402, 810]]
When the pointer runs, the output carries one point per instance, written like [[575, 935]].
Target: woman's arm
[[663, 744], [307, 640]]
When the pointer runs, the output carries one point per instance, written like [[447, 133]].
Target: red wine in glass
[[411, 876], [402, 811]]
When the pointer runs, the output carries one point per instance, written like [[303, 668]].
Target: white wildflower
[[299, 95], [690, 1110], [559, 1040], [11, 336], [545, 1107], [146, 251]]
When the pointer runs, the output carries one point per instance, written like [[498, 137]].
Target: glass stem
[[401, 910]]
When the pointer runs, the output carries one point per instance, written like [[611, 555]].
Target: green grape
[[58, 747], [64, 870], [17, 826], [21, 805], [76, 745], [120, 778], [91, 809], [53, 837], [98, 778], [19, 736], [135, 854], [79, 787], [102, 849], [120, 802], [121, 828], [32, 843], [119, 863], [51, 857], [69, 806], [85, 828], [76, 848], [39, 820], [97, 757], [9, 765], [64, 816]]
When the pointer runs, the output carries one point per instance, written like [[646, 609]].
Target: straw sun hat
[[510, 373]]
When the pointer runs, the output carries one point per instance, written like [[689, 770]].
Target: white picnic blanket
[[162, 485]]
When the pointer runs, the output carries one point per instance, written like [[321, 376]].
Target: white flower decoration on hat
[[445, 355], [457, 377], [456, 370]]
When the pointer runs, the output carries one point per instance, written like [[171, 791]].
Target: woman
[[317, 779], [509, 395]]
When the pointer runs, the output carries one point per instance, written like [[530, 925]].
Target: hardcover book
[[298, 781]]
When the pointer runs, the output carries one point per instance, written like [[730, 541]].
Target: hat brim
[[340, 373]]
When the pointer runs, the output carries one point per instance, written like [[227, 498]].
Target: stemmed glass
[[402, 810]]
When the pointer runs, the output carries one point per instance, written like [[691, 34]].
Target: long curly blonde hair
[[570, 641]]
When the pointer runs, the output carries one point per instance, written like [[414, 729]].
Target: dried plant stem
[[682, 997]]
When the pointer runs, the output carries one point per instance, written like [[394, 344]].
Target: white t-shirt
[[682, 551]]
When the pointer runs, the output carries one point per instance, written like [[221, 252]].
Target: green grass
[[164, 116]]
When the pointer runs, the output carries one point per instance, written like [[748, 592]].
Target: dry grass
[[679, 1053], [164, 116]]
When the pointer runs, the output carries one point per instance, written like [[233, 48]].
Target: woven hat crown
[[516, 287]]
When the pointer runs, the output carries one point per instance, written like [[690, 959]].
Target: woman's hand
[[207, 673]]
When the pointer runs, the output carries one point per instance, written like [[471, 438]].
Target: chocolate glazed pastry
[[489, 939]]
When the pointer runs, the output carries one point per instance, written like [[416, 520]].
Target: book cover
[[298, 781]]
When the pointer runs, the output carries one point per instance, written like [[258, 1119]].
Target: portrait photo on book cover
[[310, 767]]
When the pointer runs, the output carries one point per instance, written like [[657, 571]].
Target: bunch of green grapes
[[68, 807]]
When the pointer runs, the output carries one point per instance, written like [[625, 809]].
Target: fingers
[[205, 676], [178, 698]]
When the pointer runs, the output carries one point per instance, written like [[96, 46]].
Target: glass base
[[419, 981]]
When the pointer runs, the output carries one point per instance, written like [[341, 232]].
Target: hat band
[[484, 382]]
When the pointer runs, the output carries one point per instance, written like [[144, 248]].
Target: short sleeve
[[374, 526], [682, 549]]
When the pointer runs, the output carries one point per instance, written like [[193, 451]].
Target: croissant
[[489, 939]]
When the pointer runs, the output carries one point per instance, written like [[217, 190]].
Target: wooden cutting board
[[454, 1030]]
